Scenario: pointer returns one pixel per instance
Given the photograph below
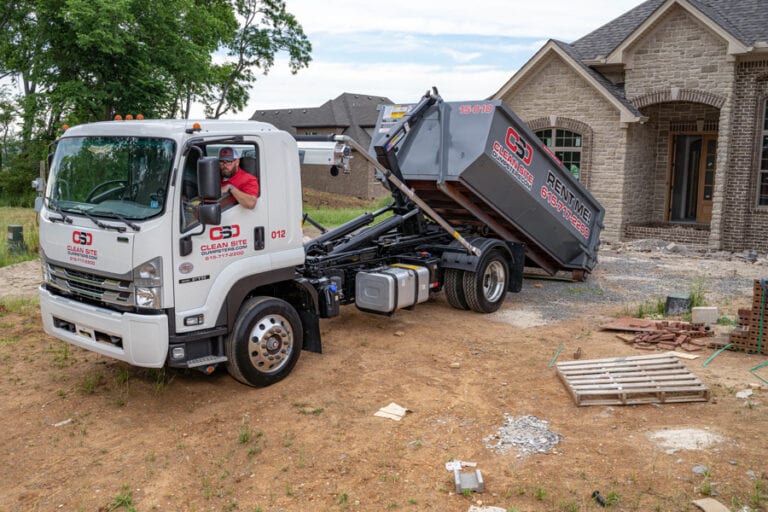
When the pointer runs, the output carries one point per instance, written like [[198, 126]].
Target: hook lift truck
[[144, 261]]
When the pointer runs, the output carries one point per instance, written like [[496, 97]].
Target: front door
[[693, 178]]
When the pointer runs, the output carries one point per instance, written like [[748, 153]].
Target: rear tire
[[265, 342], [454, 288], [486, 289]]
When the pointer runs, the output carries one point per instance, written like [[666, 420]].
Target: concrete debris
[[392, 412], [710, 505], [528, 434]]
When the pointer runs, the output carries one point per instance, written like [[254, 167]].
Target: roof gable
[[743, 24], [612, 93]]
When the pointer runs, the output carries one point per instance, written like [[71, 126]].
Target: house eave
[[735, 47]]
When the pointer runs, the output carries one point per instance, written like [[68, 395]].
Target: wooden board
[[631, 380]]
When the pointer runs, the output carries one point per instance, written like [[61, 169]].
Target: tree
[[266, 29], [77, 61]]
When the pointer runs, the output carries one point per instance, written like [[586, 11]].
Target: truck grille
[[108, 290]]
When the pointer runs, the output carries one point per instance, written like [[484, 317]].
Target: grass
[[27, 219], [124, 500], [332, 217]]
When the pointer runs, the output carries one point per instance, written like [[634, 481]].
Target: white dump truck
[[144, 261]]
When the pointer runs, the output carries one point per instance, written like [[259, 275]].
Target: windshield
[[117, 177]]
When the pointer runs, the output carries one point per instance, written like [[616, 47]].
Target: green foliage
[[78, 61], [124, 500], [332, 217], [725, 320], [698, 294]]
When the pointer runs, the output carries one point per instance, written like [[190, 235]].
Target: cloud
[[402, 83], [560, 19]]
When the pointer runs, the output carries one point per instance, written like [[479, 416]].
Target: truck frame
[[144, 261]]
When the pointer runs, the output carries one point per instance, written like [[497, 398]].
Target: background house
[[663, 114], [348, 114]]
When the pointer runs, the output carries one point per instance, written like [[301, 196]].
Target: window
[[566, 145], [762, 180]]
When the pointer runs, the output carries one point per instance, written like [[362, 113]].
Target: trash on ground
[[527, 434], [710, 505], [631, 380], [468, 482], [598, 498], [682, 355], [744, 394], [62, 423], [473, 508], [677, 305], [459, 464], [392, 412]]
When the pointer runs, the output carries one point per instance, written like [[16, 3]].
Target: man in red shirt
[[239, 184]]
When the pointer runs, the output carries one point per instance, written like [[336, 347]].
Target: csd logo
[[519, 146], [221, 232], [81, 238]]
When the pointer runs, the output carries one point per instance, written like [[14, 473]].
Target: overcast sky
[[401, 48]]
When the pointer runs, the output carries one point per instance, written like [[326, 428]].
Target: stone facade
[[556, 92]]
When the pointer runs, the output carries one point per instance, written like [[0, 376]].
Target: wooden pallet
[[632, 380]]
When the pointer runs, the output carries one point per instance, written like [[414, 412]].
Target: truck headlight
[[148, 297], [149, 273]]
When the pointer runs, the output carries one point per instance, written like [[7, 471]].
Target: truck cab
[[133, 271]]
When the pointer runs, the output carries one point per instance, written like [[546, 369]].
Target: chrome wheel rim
[[270, 343], [494, 280]]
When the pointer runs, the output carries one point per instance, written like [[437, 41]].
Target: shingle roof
[[614, 89], [746, 20], [351, 112]]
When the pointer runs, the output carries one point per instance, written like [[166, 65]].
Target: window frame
[[565, 149]]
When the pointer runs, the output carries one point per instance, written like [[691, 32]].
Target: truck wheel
[[265, 342], [454, 288], [486, 288]]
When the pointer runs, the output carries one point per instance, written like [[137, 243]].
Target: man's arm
[[246, 200]]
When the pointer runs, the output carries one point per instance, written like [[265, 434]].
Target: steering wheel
[[103, 190]]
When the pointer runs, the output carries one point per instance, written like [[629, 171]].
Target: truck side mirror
[[208, 179], [209, 213]]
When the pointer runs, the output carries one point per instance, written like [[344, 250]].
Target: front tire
[[486, 289], [265, 342]]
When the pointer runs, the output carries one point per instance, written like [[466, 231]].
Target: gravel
[[633, 273], [526, 434]]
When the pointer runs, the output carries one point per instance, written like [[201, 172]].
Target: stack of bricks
[[747, 335], [673, 336]]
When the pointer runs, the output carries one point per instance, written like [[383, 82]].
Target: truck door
[[220, 255]]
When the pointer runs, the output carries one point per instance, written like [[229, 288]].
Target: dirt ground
[[85, 433]]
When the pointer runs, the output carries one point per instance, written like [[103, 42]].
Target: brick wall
[[746, 226], [555, 89]]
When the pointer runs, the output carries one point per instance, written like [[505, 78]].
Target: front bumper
[[140, 340]]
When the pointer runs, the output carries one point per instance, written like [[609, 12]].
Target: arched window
[[566, 145]]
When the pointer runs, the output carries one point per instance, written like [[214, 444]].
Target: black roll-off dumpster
[[477, 164]]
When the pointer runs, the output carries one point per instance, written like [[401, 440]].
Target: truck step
[[207, 360]]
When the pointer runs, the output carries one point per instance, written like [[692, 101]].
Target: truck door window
[[249, 155]]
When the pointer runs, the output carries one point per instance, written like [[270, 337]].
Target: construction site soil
[[85, 433]]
